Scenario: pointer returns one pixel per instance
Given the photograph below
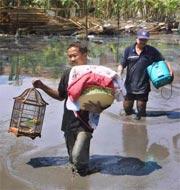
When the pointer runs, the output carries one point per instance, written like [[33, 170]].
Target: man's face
[[75, 57], [141, 42]]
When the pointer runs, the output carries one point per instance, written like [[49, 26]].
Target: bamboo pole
[[86, 19]]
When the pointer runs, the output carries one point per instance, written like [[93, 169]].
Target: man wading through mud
[[136, 59], [77, 133]]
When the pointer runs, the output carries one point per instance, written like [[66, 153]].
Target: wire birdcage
[[28, 114]]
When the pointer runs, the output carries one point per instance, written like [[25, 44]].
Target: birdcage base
[[13, 130], [24, 132], [31, 135]]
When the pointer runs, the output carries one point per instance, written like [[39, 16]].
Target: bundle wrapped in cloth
[[97, 94], [93, 83]]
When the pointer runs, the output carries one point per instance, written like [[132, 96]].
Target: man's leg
[[142, 100], [128, 106], [80, 152], [70, 138], [141, 108]]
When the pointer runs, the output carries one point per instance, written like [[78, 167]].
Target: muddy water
[[138, 155]]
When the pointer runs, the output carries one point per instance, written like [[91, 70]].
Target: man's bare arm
[[51, 92]]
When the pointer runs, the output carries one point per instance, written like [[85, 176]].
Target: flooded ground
[[130, 154]]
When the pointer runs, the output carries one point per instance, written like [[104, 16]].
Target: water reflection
[[135, 140], [157, 152], [45, 56], [135, 144], [176, 145], [34, 57]]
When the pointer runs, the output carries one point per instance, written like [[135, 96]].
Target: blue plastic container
[[159, 74]]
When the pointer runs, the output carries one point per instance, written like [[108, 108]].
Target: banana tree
[[170, 7]]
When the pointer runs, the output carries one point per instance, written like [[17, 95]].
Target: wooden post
[[48, 4], [118, 33], [18, 3], [86, 19], [118, 15]]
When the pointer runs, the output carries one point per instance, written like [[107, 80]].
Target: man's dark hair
[[82, 46]]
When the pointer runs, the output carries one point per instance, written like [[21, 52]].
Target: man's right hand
[[37, 84]]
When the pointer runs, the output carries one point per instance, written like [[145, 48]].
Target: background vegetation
[[150, 10]]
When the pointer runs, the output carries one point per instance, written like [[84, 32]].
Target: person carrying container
[[135, 60]]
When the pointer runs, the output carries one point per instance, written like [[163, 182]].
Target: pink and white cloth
[[83, 76]]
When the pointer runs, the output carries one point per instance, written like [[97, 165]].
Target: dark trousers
[[78, 146]]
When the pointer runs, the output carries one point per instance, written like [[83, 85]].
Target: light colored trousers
[[78, 145]]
